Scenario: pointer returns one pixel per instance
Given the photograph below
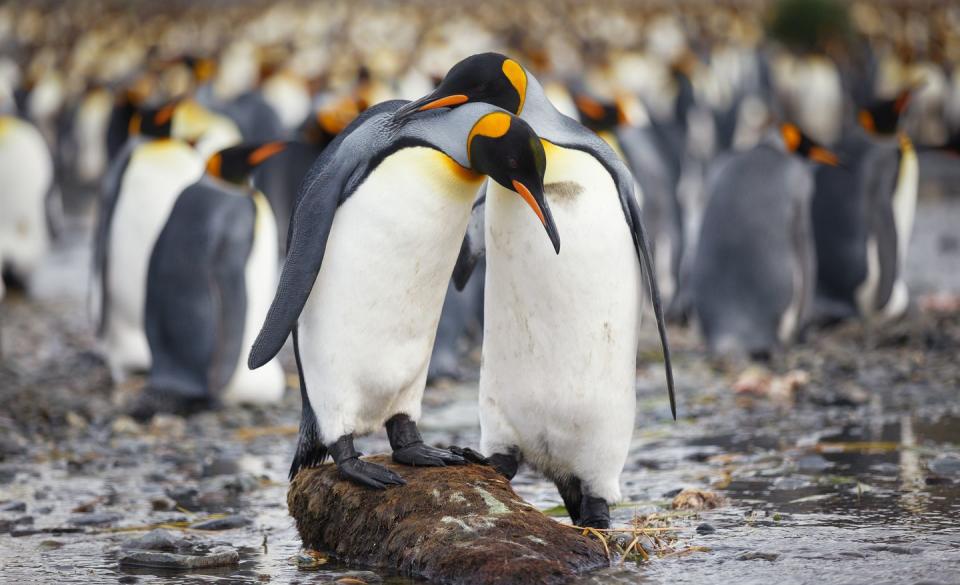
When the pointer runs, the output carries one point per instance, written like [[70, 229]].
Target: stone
[[447, 524], [221, 556], [225, 523]]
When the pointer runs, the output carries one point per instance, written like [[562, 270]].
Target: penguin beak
[[431, 101], [538, 203], [824, 156]]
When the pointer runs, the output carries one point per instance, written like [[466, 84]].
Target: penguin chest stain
[[562, 193]]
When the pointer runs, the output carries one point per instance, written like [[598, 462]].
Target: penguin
[[140, 191], [561, 332], [26, 177], [863, 217], [373, 240], [210, 281], [754, 273]]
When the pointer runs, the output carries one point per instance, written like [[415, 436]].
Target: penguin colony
[[284, 170]]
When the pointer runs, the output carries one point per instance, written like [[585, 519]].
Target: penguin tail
[[311, 451]]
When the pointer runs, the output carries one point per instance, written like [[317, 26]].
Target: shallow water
[[848, 481]]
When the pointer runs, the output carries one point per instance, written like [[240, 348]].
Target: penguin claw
[[368, 474], [470, 455], [421, 455]]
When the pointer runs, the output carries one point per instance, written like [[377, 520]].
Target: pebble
[[947, 465], [14, 506], [159, 540], [813, 463], [757, 555], [94, 519], [705, 529], [789, 483], [226, 523], [221, 556]]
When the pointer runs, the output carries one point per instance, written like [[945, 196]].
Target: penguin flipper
[[634, 220], [473, 248], [882, 223]]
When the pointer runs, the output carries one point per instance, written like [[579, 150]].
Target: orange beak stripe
[[528, 197], [590, 107], [266, 151], [822, 155], [450, 100], [214, 164]]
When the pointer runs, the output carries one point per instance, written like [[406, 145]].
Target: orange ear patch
[[214, 164], [492, 125], [589, 106], [164, 115], [266, 151], [866, 121], [518, 79], [791, 136]]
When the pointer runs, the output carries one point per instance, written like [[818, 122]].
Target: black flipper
[[646, 265], [473, 248], [311, 451]]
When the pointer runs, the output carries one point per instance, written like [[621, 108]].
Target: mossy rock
[[460, 524]]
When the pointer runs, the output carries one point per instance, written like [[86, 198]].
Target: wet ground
[[841, 464]]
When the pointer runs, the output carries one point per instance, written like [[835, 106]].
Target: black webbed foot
[[506, 464], [409, 448], [469, 455], [594, 513], [368, 474], [362, 472]]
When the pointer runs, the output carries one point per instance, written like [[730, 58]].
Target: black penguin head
[[883, 117], [153, 122], [506, 149], [800, 144], [596, 115], [490, 78], [235, 164]]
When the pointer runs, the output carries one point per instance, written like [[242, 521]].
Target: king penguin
[[863, 218], [210, 281], [140, 190], [754, 273], [561, 332], [26, 176], [373, 241]]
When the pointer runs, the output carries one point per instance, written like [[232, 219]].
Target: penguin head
[[490, 78], [235, 164], [506, 149], [883, 117], [596, 115], [798, 143], [153, 122]]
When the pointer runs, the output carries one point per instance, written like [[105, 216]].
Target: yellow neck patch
[[492, 125], [518, 79]]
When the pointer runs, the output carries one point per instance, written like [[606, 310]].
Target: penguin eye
[[512, 163], [483, 86]]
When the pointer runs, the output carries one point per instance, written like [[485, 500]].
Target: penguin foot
[[421, 455], [409, 448], [469, 455], [594, 512], [368, 474], [153, 401], [353, 469], [506, 464]]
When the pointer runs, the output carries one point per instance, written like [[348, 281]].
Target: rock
[[221, 556], [705, 529], [159, 540], [226, 523], [447, 524], [220, 466], [813, 464], [696, 499], [946, 465], [13, 506], [757, 555], [94, 519], [789, 483]]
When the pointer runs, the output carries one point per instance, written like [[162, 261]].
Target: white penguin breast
[[26, 173], [561, 331], [157, 173], [369, 324]]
